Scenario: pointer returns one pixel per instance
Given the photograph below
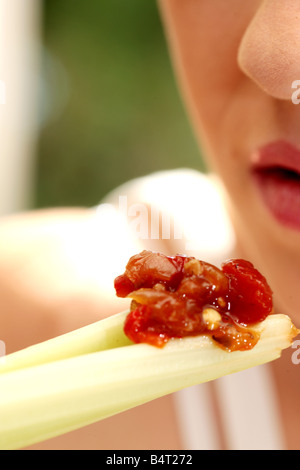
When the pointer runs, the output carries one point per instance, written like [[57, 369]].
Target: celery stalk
[[43, 401], [104, 334]]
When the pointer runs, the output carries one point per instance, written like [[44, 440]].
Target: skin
[[235, 62]]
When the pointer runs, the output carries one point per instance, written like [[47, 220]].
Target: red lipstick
[[276, 173]]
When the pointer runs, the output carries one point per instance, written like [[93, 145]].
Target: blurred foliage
[[111, 107]]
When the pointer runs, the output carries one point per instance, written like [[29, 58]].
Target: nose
[[269, 52]]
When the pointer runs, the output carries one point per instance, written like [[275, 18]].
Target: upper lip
[[279, 155]]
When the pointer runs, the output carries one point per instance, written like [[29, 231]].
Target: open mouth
[[276, 173]]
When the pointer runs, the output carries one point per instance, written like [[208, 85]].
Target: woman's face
[[236, 62]]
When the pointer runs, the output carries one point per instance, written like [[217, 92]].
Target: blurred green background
[[110, 109]]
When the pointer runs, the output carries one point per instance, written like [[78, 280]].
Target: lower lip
[[280, 191]]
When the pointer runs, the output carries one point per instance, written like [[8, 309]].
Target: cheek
[[205, 53], [204, 38]]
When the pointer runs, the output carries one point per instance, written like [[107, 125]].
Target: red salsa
[[174, 297]]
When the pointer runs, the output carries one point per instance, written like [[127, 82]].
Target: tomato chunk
[[249, 294]]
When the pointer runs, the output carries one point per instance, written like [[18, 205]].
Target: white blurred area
[[19, 62]]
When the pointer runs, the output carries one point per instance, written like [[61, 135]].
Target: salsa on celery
[[179, 296]]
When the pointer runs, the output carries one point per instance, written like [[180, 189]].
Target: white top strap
[[249, 418], [250, 410]]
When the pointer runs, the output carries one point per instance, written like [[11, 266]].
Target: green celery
[[44, 401]]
